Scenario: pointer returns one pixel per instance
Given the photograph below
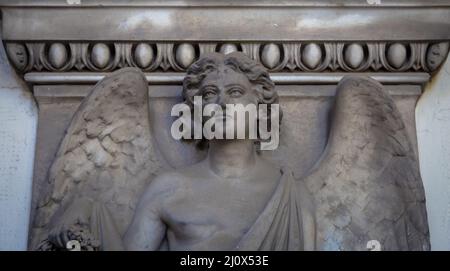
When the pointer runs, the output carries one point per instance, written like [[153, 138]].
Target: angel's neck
[[231, 158]]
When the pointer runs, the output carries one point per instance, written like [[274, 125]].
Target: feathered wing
[[367, 184], [107, 156]]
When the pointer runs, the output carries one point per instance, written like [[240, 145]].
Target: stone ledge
[[75, 93], [167, 78]]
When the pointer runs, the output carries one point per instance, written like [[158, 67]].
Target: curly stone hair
[[237, 61]]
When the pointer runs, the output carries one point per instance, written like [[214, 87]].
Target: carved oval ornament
[[276, 56]]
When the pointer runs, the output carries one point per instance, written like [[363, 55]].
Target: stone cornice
[[227, 23], [224, 3], [293, 39], [277, 57]]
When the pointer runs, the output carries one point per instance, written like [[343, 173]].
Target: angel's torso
[[208, 212]]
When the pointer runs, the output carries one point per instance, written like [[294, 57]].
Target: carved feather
[[107, 155], [367, 184]]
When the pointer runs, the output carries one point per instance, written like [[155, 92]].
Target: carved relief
[[111, 186], [276, 57]]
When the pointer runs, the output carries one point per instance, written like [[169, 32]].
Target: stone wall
[[433, 129]]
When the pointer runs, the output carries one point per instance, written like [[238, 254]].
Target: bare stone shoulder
[[162, 187], [170, 183]]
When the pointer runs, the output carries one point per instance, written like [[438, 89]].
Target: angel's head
[[232, 79]]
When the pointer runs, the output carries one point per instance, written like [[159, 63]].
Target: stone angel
[[112, 188]]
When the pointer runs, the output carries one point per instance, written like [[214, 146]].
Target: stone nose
[[222, 99]]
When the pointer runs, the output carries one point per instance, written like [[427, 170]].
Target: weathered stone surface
[[365, 186], [18, 121]]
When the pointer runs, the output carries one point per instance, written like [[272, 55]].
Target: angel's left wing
[[106, 158], [367, 186]]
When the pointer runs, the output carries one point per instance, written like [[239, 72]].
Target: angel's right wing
[[105, 160], [367, 187]]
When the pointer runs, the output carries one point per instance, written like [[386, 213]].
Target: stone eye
[[235, 92], [208, 94]]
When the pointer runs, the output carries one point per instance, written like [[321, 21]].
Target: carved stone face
[[226, 86], [234, 79]]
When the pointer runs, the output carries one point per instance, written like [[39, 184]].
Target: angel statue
[[111, 187]]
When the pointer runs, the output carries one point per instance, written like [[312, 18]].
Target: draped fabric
[[280, 225]]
